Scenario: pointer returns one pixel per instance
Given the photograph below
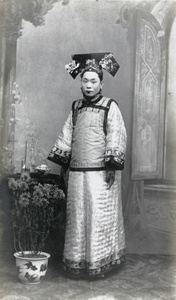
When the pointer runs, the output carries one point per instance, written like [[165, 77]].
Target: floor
[[142, 277]]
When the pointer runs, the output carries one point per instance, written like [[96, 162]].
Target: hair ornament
[[92, 62]]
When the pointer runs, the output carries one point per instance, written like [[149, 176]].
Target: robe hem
[[86, 272]]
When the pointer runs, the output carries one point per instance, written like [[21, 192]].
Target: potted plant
[[32, 216]]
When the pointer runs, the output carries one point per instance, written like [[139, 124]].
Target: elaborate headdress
[[92, 62]]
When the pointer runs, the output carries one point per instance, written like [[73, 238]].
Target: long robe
[[93, 139]]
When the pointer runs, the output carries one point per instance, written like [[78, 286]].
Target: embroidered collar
[[93, 100]]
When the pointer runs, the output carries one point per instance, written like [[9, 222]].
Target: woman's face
[[91, 83]]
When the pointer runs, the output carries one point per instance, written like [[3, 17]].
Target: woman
[[93, 144]]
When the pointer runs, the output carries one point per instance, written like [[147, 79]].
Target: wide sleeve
[[116, 138], [61, 152]]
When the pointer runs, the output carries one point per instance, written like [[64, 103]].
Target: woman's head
[[91, 83]]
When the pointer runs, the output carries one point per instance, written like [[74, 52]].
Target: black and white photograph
[[87, 149]]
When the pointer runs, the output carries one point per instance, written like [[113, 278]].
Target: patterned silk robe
[[92, 140]]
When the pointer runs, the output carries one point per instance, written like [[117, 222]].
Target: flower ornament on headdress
[[108, 64], [72, 68], [92, 62]]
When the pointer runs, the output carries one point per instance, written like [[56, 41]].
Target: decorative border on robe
[[84, 268], [59, 156], [115, 159]]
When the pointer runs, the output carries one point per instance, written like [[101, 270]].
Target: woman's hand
[[110, 177]]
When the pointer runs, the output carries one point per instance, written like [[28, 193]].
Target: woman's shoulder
[[107, 101], [76, 103]]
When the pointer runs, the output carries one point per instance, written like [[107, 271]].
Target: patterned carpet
[[142, 277]]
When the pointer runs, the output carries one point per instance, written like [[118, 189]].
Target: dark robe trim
[[58, 159], [87, 169], [106, 114], [113, 164]]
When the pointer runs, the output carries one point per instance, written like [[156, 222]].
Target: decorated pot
[[30, 269]]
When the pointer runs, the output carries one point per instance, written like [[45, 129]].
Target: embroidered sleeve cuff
[[59, 156], [114, 160]]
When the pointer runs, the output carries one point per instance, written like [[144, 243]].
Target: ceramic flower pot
[[31, 269]]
